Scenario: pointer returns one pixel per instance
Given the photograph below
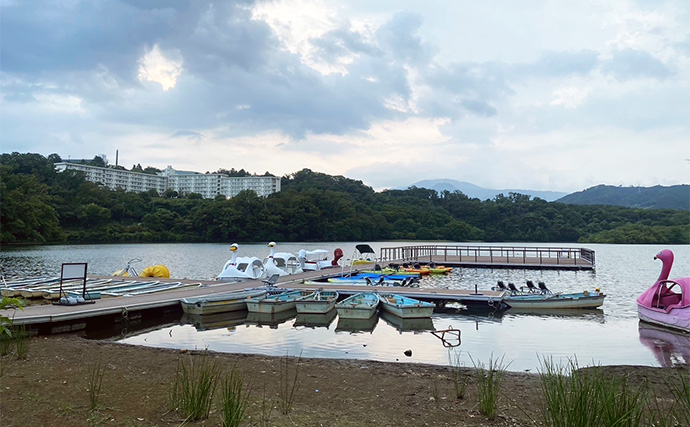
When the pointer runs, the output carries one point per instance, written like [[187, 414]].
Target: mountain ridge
[[474, 191]]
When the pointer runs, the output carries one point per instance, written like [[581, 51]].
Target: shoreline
[[50, 387]]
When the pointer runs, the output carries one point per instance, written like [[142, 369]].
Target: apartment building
[[184, 182]]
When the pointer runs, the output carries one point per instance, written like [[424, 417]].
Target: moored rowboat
[[318, 302], [584, 299], [211, 304], [275, 303], [405, 307], [359, 306]]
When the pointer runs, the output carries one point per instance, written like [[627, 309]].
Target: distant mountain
[[474, 191], [657, 197]]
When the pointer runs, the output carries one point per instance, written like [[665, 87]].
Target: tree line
[[40, 205]]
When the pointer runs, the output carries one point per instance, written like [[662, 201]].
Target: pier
[[477, 256], [520, 257], [125, 306]]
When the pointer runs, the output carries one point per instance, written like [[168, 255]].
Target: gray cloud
[[630, 64]]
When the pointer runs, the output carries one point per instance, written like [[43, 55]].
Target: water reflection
[[670, 348], [407, 325], [589, 314], [355, 326], [228, 320], [271, 320], [315, 320]]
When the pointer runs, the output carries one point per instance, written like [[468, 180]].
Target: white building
[[208, 185]]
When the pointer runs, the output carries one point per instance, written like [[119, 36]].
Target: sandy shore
[[50, 388]]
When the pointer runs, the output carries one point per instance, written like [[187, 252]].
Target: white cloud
[[164, 69], [570, 97]]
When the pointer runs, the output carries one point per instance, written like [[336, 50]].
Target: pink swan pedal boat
[[667, 302]]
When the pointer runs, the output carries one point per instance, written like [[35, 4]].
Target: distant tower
[[117, 153]]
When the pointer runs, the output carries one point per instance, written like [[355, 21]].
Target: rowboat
[[359, 306], [406, 307], [585, 299], [219, 303], [275, 303], [318, 302]]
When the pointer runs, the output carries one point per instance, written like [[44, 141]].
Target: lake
[[611, 335]]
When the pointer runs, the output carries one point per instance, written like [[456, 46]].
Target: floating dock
[[125, 305], [449, 255], [481, 256]]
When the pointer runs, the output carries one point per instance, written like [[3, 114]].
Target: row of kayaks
[[362, 305]]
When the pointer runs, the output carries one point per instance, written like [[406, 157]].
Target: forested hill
[[658, 197], [40, 205]]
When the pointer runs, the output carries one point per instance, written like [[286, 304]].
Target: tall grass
[[193, 388], [95, 383], [21, 341], [6, 342], [489, 381], [289, 383], [585, 397], [459, 377], [233, 401], [680, 390]]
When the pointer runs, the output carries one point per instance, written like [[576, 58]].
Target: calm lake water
[[611, 335]]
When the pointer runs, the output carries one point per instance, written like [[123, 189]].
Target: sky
[[519, 94]]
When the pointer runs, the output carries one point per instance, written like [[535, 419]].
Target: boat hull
[[274, 304], [406, 308], [233, 301], [358, 307], [319, 304], [570, 301], [677, 319]]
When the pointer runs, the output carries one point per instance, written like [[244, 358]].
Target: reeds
[[21, 341], [489, 381], [585, 397], [233, 401], [289, 384], [193, 388], [680, 390], [459, 377], [95, 384]]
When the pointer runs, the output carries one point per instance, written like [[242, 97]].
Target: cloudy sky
[[520, 94]]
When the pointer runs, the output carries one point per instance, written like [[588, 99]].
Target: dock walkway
[[49, 313]]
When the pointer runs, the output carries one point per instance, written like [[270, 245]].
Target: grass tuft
[[233, 401], [489, 381], [459, 377], [585, 397], [193, 388], [289, 384], [95, 384]]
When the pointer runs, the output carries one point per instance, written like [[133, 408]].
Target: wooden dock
[[450, 255], [125, 305], [519, 257]]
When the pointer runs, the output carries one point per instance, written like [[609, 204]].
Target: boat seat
[[500, 286], [530, 286], [271, 281], [512, 288], [543, 288], [668, 300]]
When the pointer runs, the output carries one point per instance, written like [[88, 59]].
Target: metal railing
[[490, 254]]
